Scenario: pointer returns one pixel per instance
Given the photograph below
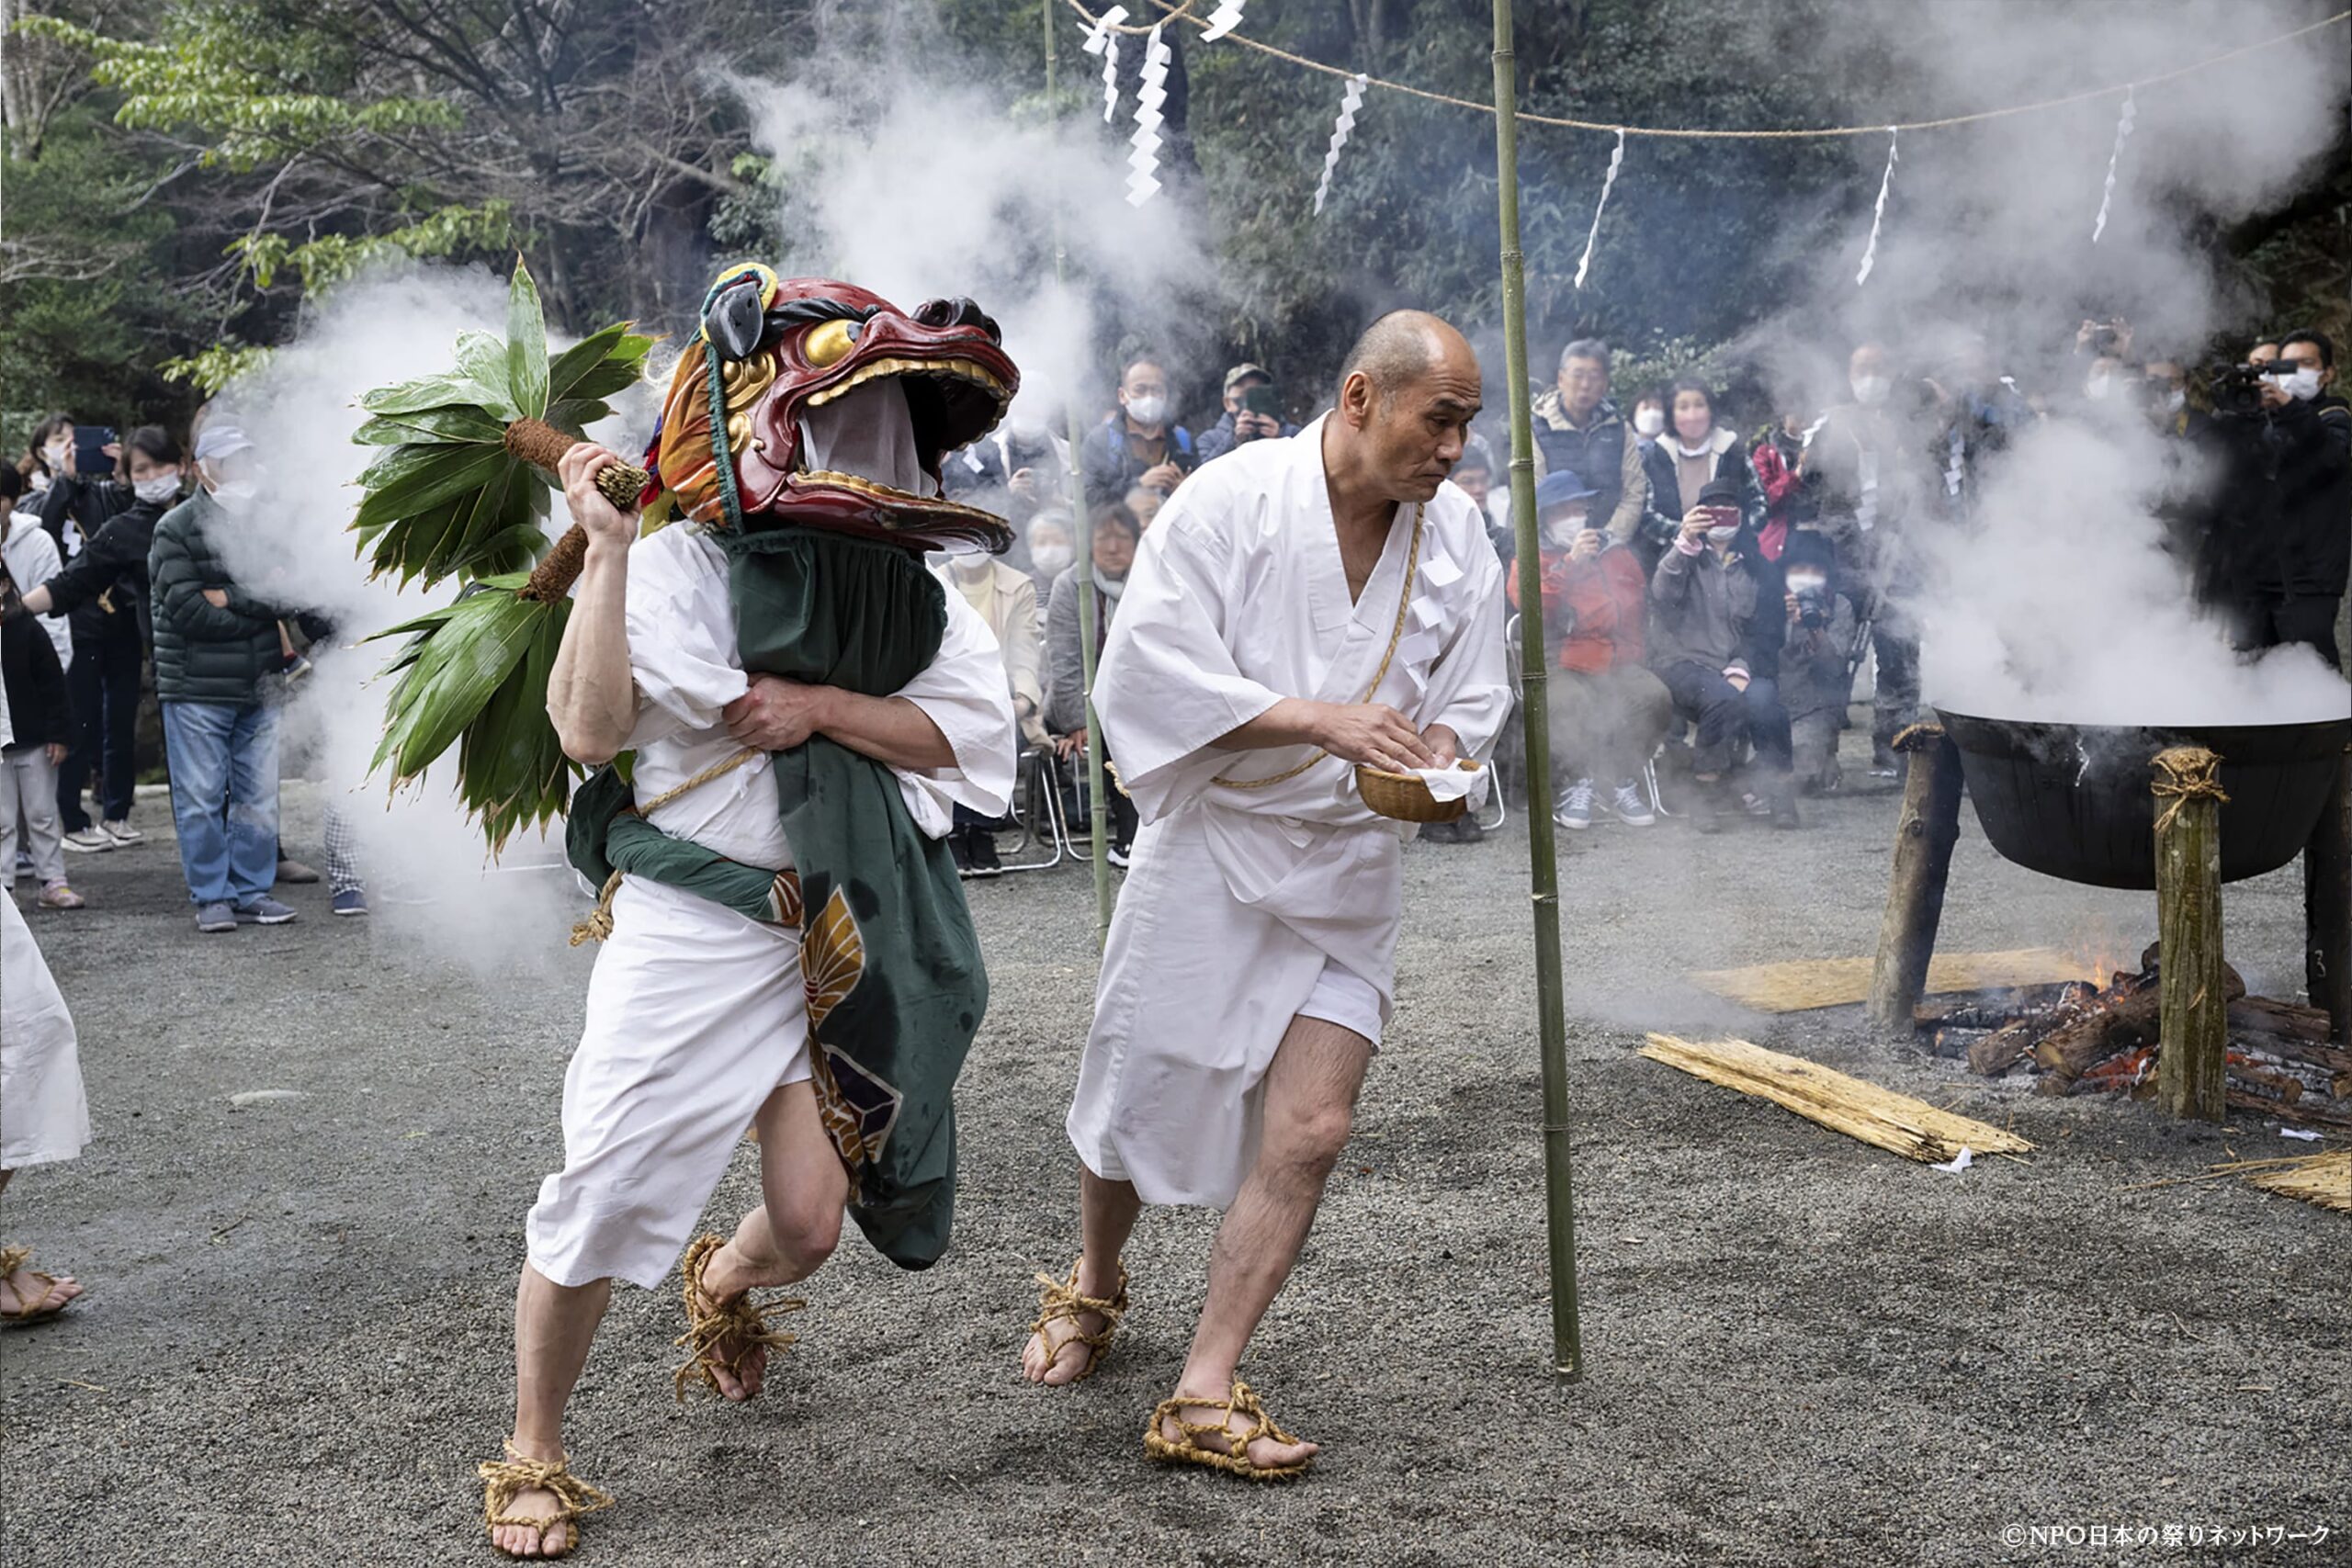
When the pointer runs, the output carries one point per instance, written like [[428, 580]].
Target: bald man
[[1301, 606]]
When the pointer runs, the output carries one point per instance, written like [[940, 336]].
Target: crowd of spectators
[[114, 566], [1712, 599]]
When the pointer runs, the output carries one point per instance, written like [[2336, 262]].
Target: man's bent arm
[[1292, 721], [592, 696], [892, 731]]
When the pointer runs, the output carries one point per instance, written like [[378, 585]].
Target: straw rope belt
[[2186, 773], [1396, 636], [1917, 737], [599, 923]]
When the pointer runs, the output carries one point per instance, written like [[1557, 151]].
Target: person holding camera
[[1253, 412], [1716, 644], [109, 648], [1608, 711], [2299, 563], [1812, 668]]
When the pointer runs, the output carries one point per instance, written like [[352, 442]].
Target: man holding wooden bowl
[[1309, 650]]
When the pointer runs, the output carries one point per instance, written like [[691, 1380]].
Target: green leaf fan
[[461, 491]]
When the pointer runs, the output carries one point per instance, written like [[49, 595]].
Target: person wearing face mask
[[1002, 596], [1475, 476], [102, 594], [1650, 420], [74, 504], [1813, 679], [1050, 550], [2297, 564], [1714, 641], [1696, 450], [1140, 443], [1113, 532], [1017, 470], [1608, 711], [1868, 480], [216, 645], [1577, 428], [31, 555]]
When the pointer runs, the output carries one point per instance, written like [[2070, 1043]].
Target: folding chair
[[1036, 815]]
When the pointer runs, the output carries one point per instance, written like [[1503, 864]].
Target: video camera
[[2237, 389]]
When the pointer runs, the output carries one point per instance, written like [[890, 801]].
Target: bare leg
[[554, 1326], [1311, 1095], [1106, 1217], [803, 1188]]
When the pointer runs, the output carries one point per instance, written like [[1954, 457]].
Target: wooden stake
[[2327, 908], [2190, 1070], [1924, 836]]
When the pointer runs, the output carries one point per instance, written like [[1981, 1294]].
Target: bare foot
[[27, 1290], [552, 1538], [1263, 1453], [1059, 1353]]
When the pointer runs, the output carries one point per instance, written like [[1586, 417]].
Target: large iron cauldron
[[2073, 800]]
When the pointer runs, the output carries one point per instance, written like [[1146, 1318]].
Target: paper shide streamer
[[1616, 162], [1104, 42], [1349, 101], [1878, 213], [1143, 184], [2122, 135], [1223, 21]]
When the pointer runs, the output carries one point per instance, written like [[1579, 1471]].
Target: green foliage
[[455, 229], [476, 674], [233, 74]]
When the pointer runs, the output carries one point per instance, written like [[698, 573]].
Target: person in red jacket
[[1608, 711]]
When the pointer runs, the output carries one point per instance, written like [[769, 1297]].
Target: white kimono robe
[[43, 1117], [1238, 899], [696, 1014]]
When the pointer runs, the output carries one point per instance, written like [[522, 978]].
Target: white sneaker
[[122, 832], [1631, 808], [88, 841], [1575, 811]]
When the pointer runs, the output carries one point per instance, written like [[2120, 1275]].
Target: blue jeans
[[224, 798]]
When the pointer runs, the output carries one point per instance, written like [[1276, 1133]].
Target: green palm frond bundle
[[461, 491]]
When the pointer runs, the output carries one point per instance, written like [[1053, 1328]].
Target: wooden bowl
[[1406, 799]]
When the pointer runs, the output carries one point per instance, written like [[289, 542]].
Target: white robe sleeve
[[1470, 684], [1168, 685], [682, 651], [964, 692]]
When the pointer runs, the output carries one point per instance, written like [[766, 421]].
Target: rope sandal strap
[[1186, 1448], [503, 1480], [708, 1324], [1060, 1300], [12, 1259]]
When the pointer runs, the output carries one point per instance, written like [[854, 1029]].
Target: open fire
[[2079, 1037]]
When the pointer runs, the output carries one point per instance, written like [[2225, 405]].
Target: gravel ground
[[1800, 1350]]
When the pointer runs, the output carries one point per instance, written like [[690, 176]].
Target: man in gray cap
[[1240, 422], [214, 644]]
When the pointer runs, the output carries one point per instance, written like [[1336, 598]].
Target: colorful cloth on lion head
[[804, 430]]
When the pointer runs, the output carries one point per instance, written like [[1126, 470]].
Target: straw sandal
[[13, 1259], [1059, 1302], [707, 1323], [503, 1480], [1188, 1449]]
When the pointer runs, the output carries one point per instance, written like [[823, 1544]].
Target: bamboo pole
[[1082, 537], [2327, 908], [1543, 870], [2190, 1068], [1924, 836]]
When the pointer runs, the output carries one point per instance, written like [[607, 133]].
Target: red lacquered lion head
[[788, 349]]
